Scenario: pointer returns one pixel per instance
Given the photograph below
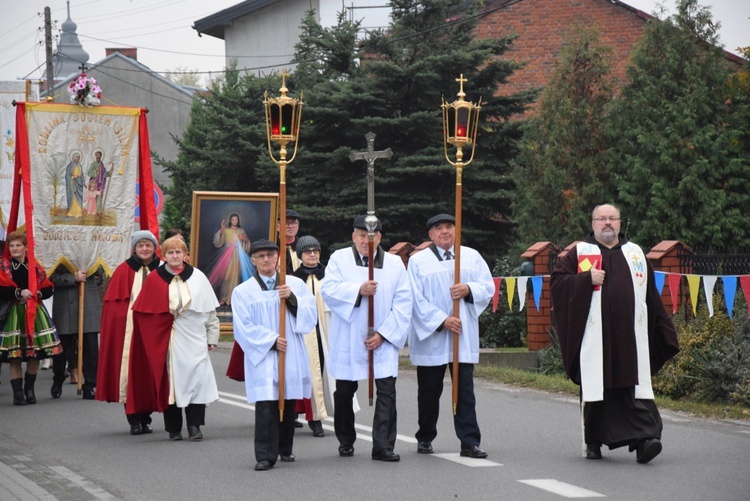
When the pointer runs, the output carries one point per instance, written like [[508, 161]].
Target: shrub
[[503, 328]]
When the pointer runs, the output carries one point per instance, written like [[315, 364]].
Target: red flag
[[674, 289], [496, 295], [745, 283]]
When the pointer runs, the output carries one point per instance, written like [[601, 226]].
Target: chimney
[[131, 52]]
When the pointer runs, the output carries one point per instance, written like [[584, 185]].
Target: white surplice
[[431, 280], [347, 353], [255, 313]]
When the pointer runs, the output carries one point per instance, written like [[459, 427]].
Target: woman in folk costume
[[174, 327], [19, 342], [231, 264], [117, 326]]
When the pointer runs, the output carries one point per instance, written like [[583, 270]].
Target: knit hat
[[142, 235], [306, 242]]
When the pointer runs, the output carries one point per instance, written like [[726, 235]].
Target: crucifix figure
[[371, 221]]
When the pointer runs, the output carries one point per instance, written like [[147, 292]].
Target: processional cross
[[371, 222]]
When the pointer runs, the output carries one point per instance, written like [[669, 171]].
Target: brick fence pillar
[[540, 255], [664, 257]]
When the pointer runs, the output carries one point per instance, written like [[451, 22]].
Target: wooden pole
[[457, 278], [282, 277], [81, 289]]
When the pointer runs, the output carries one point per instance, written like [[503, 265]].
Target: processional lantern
[[283, 115], [460, 124]]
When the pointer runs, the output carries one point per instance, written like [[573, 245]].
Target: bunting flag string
[[729, 282]]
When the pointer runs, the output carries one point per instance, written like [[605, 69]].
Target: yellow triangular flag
[[510, 283], [694, 282]]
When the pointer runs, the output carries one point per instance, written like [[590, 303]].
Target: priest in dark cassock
[[174, 328], [347, 291], [117, 326], [255, 316], [614, 335]]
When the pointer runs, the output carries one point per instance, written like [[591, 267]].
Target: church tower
[[70, 54]]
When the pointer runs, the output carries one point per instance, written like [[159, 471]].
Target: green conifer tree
[[678, 170]]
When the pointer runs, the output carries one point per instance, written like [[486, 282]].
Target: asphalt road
[[73, 449]]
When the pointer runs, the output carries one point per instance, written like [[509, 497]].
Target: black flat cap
[[260, 245], [292, 214], [440, 218], [359, 224]]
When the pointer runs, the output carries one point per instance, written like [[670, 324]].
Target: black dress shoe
[[424, 447], [647, 450], [317, 428], [89, 394], [473, 452], [263, 465], [175, 436], [146, 428], [297, 424], [593, 451], [386, 455], [135, 429], [194, 433], [287, 459], [346, 451], [56, 390]]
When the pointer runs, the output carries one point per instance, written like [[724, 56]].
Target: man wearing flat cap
[[347, 290], [291, 229], [255, 316], [431, 274]]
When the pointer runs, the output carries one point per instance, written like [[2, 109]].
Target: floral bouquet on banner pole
[[84, 91]]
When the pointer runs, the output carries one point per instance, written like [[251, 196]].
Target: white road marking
[[329, 427], [561, 488], [474, 463], [89, 487]]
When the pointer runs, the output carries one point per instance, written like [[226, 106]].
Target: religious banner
[[15, 90], [77, 167]]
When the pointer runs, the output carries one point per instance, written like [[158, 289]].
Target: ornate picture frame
[[223, 227]]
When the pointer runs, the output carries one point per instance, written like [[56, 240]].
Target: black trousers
[[274, 437], [69, 343], [430, 388], [383, 421], [195, 415]]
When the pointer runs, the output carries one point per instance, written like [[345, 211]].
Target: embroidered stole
[[592, 358]]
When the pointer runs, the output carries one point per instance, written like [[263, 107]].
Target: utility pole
[[48, 47]]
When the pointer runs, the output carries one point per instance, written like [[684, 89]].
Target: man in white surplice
[[347, 290], [255, 312], [431, 274]]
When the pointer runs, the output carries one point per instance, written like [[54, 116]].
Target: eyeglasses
[[292, 223], [264, 255], [611, 219], [311, 251]]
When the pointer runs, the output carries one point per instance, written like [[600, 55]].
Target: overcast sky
[[162, 31]]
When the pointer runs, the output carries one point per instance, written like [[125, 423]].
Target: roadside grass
[[557, 383], [560, 384]]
